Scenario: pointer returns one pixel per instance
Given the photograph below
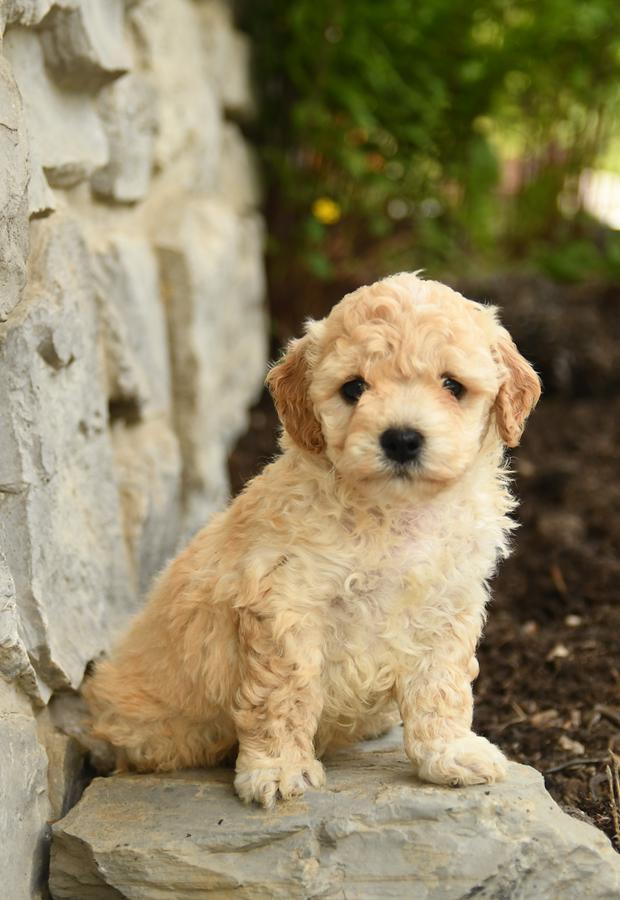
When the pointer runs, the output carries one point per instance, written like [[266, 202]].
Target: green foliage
[[402, 112], [585, 251]]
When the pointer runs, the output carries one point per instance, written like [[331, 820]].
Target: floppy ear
[[288, 382], [518, 393]]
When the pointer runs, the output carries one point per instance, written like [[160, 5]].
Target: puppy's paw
[[265, 786], [466, 760]]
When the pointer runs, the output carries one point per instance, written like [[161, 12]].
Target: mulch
[[549, 686]]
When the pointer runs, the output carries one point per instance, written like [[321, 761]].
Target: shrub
[[385, 124]]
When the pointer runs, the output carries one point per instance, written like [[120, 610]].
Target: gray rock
[[170, 41], [228, 55], [128, 112], [84, 43], [15, 663], [147, 460], [14, 174], [147, 463], [373, 832], [133, 327], [24, 190], [211, 267], [24, 808], [129, 116], [25, 12], [238, 180], [41, 198], [66, 136], [66, 777], [62, 533]]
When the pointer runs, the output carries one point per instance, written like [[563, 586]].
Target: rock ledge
[[375, 832]]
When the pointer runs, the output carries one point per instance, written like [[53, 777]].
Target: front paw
[[266, 785], [467, 760]]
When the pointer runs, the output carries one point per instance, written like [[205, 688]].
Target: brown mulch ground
[[549, 687]]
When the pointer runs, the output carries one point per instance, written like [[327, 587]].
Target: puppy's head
[[400, 384]]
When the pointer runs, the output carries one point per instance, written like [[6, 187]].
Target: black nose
[[402, 445]]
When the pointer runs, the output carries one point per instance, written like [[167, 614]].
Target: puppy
[[346, 586]]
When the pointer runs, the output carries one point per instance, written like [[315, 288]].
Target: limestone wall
[[132, 341]]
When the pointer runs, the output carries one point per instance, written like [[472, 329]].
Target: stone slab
[[169, 38], [212, 275], [228, 54], [133, 324], [59, 503], [15, 664], [14, 177], [24, 12], [24, 806], [66, 135], [374, 832], [128, 112], [147, 465], [238, 179], [84, 43]]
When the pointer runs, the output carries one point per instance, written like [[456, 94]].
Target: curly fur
[[334, 595]]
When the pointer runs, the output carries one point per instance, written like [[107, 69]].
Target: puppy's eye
[[455, 387], [352, 390]]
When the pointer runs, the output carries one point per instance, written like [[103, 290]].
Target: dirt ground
[[549, 685]]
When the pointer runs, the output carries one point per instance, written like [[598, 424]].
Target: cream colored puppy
[[347, 584]]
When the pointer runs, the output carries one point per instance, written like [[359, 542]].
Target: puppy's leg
[[277, 708], [436, 704]]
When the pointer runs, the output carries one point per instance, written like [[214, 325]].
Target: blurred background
[[481, 143], [461, 138]]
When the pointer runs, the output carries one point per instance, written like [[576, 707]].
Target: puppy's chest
[[365, 596], [365, 626], [380, 581]]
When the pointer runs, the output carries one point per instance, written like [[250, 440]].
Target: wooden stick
[[609, 712], [613, 778], [575, 763]]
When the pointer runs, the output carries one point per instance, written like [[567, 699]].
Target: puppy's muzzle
[[401, 445]]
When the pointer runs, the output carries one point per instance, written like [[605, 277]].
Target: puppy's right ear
[[288, 382], [518, 393]]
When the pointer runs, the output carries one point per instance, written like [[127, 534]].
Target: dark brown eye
[[455, 387], [352, 390]]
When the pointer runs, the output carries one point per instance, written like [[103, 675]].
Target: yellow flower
[[326, 210]]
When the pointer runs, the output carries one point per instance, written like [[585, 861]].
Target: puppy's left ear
[[518, 393], [288, 382]]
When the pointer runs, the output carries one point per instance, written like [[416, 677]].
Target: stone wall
[[132, 340]]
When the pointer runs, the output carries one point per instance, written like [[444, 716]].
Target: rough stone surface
[[60, 503], [148, 470], [25, 807], [66, 135], [66, 769], [133, 327], [112, 129], [84, 42], [23, 12], [373, 832], [228, 57], [14, 174], [127, 109], [238, 180], [170, 41], [15, 664], [213, 292]]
